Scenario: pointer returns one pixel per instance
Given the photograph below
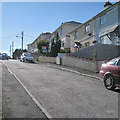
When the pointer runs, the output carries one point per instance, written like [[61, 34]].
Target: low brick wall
[[82, 63], [47, 59]]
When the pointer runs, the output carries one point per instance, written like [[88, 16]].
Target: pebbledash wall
[[91, 58], [45, 59], [82, 63]]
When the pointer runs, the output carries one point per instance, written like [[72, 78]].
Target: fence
[[100, 51]]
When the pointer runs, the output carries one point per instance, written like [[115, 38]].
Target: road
[[16, 103], [64, 94]]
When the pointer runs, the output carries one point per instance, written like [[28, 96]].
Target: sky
[[35, 18]]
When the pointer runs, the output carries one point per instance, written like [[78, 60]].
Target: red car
[[110, 73]]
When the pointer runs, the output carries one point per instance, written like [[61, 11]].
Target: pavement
[[75, 70]]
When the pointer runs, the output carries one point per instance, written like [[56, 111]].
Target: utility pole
[[10, 50], [22, 39]]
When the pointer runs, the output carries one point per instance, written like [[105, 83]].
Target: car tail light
[[101, 67]]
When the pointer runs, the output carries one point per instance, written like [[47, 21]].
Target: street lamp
[[22, 39]]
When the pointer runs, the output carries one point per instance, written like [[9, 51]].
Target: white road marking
[[31, 95]]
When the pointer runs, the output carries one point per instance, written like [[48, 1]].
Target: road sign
[[43, 48]]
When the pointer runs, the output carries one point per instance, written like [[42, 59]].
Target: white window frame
[[103, 20], [76, 34], [87, 28], [61, 31]]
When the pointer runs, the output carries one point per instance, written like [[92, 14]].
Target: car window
[[113, 62], [118, 64], [4, 54], [27, 54]]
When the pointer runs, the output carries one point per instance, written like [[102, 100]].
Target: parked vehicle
[[110, 73], [0, 55], [4, 56], [26, 57]]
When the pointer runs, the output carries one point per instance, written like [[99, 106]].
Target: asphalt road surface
[[16, 103], [64, 94]]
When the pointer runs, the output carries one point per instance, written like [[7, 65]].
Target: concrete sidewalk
[[75, 70]]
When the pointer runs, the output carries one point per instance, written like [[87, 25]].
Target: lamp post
[[21, 38]]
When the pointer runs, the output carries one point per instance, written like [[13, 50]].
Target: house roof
[[73, 22], [69, 22], [29, 44], [47, 33], [99, 14]]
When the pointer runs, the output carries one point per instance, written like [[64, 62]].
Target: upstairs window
[[103, 20], [76, 35], [87, 28], [61, 31]]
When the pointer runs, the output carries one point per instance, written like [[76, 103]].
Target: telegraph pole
[[10, 50], [22, 39]]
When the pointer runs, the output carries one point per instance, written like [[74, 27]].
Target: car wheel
[[109, 82]]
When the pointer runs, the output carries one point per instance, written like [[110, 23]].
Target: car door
[[117, 71]]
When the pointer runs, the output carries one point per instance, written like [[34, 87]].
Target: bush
[[41, 43], [64, 51]]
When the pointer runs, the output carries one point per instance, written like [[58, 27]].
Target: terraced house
[[32, 47], [82, 36], [62, 31], [103, 28], [106, 25]]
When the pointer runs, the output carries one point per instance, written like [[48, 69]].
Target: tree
[[41, 43], [55, 46], [17, 53]]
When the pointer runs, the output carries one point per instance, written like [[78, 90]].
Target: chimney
[[107, 5]]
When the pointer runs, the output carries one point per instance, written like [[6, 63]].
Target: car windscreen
[[27, 54], [4, 54]]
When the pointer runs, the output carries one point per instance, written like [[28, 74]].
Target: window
[[118, 64], [113, 62], [61, 31], [87, 44], [63, 44], [76, 35], [102, 40], [103, 20], [87, 28]]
